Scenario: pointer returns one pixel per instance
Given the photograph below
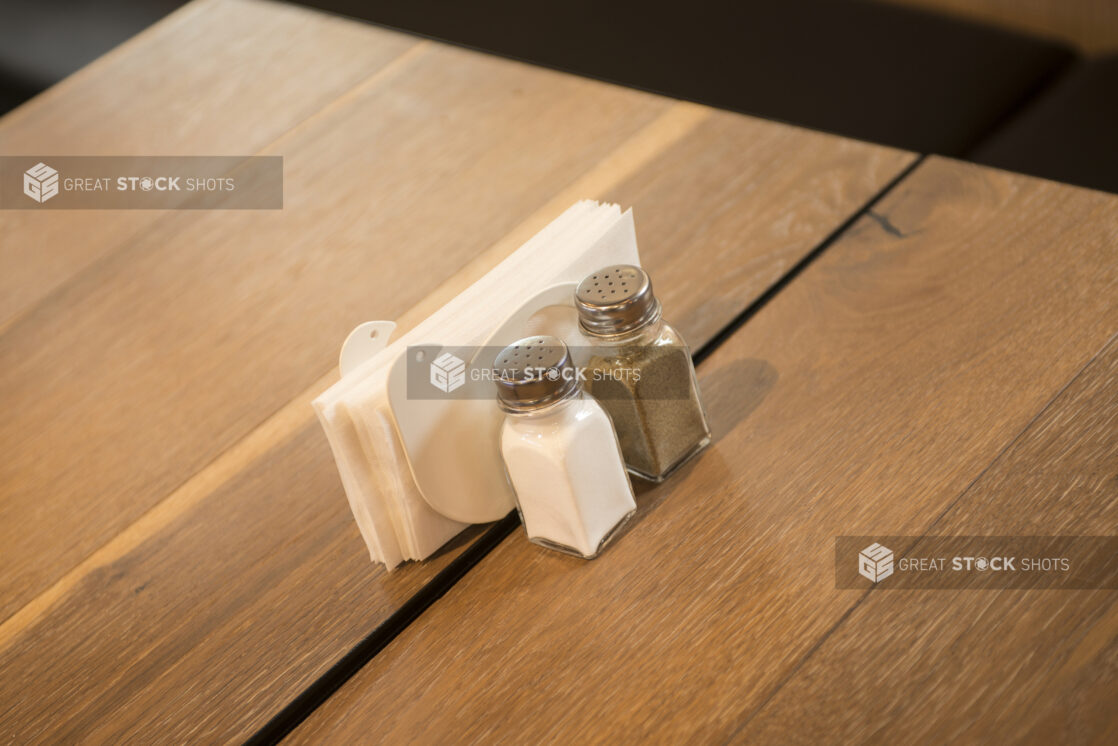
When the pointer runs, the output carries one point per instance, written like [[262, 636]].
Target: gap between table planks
[[863, 399], [199, 609], [109, 385]]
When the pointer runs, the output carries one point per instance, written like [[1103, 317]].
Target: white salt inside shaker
[[560, 450]]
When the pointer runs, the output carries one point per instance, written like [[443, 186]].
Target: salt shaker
[[640, 370], [560, 450]]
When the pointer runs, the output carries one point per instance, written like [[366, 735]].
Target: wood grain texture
[[179, 557], [194, 635], [728, 210], [219, 77], [1009, 666], [176, 345], [863, 399]]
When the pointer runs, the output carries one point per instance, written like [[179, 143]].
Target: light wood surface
[[1011, 666], [215, 78], [865, 398], [175, 345], [178, 555]]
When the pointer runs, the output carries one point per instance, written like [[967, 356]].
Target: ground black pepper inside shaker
[[641, 372]]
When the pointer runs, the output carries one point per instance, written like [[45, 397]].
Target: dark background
[[1003, 91]]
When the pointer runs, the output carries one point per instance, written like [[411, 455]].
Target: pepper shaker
[[560, 450], [641, 372]]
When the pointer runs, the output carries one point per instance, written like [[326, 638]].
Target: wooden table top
[[887, 343]]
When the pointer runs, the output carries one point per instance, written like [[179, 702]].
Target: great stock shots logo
[[976, 562], [437, 372], [95, 182], [447, 372], [875, 562], [40, 182]]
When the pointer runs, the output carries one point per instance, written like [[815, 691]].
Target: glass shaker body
[[645, 379], [560, 451], [566, 470]]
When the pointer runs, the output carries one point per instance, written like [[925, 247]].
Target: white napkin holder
[[418, 469]]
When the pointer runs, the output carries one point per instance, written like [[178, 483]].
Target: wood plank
[[218, 77], [728, 211], [867, 394], [168, 351], [219, 570], [992, 666]]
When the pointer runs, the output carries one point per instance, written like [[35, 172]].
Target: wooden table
[[888, 343]]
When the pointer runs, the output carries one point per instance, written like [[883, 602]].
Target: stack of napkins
[[395, 519]]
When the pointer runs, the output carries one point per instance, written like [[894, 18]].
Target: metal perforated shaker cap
[[615, 300], [532, 373]]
